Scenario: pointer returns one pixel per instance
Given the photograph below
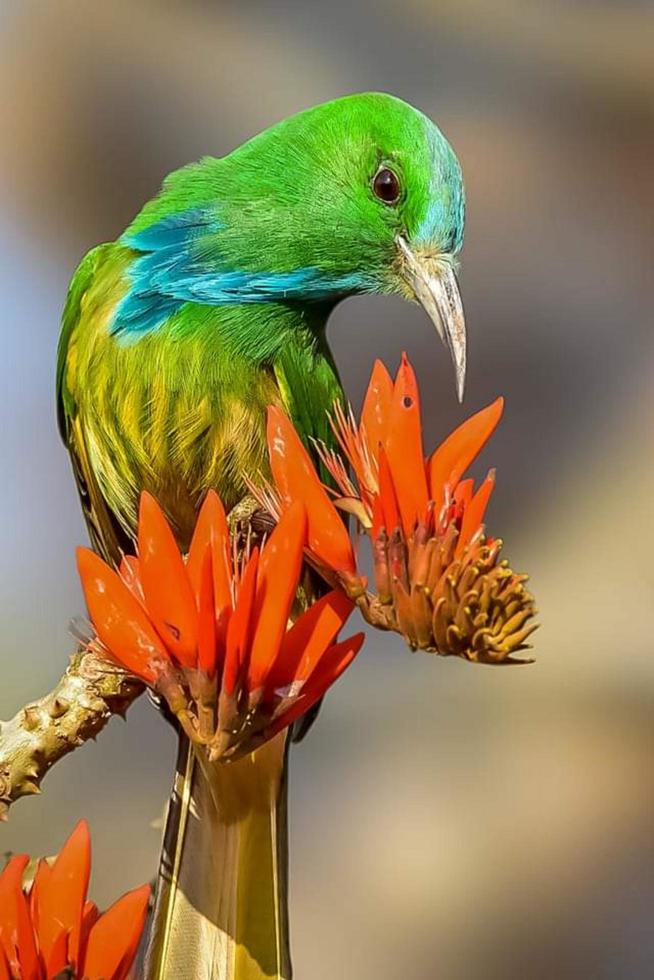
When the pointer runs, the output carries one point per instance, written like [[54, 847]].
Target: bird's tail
[[221, 902]]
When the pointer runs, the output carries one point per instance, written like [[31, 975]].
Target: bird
[[177, 336]]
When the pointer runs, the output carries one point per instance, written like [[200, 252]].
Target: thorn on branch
[[46, 730]]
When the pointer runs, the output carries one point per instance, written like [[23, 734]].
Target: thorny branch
[[44, 731], [77, 709]]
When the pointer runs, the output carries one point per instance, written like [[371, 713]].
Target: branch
[[41, 733]]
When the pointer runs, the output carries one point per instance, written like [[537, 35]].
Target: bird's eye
[[386, 186]]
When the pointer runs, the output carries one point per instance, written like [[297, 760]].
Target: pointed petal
[[115, 937], [473, 514], [41, 878], [168, 593], [211, 530], [4, 966], [90, 916], [308, 638], [377, 518], [376, 411], [332, 664], [57, 958], [119, 620], [207, 640], [277, 581], [296, 479], [62, 897], [390, 511], [239, 629], [404, 448], [463, 494], [453, 457], [329, 668], [16, 932], [130, 573]]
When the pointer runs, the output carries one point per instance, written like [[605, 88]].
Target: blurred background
[[447, 821]]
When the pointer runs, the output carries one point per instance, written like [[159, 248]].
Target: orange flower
[[210, 634], [396, 485], [440, 582], [55, 928]]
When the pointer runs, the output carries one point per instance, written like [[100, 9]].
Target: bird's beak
[[433, 283]]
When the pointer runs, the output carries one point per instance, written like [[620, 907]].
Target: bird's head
[[360, 195], [367, 193]]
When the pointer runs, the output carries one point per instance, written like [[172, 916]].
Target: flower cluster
[[55, 931], [210, 634], [439, 580]]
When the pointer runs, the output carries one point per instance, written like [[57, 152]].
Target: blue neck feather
[[174, 267]]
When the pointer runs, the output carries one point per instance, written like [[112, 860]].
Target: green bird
[[176, 337]]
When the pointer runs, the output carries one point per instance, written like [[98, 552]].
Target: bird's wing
[[106, 535]]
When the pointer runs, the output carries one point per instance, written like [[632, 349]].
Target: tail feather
[[221, 904]]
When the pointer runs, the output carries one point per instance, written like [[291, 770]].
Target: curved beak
[[433, 283]]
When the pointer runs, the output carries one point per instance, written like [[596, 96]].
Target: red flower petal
[[57, 959], [207, 639], [114, 939], [168, 593], [42, 876], [308, 638], [473, 514], [329, 668], [463, 494], [4, 966], [452, 458], [277, 581], [377, 518], [239, 629], [376, 410], [389, 506], [90, 916], [296, 479], [62, 895], [211, 531], [119, 619], [130, 573], [16, 932], [332, 664], [404, 448]]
